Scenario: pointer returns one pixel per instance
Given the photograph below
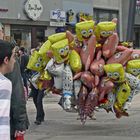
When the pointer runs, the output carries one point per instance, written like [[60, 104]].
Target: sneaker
[[92, 116], [37, 122], [97, 108], [42, 120], [127, 106]]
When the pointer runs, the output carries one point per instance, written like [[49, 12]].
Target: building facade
[[77, 9], [32, 21], [137, 25], [107, 9], [28, 21]]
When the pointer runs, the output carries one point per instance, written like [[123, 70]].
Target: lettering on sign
[[57, 24], [57, 15], [33, 9], [3, 10]]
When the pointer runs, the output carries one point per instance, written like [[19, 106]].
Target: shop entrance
[[28, 36], [137, 37]]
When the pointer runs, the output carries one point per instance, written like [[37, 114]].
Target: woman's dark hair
[[5, 50], [22, 49]]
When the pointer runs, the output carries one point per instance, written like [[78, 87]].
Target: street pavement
[[61, 125]]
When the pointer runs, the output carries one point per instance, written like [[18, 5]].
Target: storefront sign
[[57, 15], [57, 24], [3, 10], [33, 9]]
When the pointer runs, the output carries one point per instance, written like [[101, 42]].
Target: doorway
[[137, 37]]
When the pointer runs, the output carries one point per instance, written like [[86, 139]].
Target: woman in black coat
[[18, 115]]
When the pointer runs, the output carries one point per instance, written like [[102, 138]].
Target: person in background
[[18, 114], [37, 96], [23, 58], [1, 32], [38, 102], [7, 60]]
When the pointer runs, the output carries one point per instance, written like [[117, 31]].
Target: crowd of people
[[14, 91]]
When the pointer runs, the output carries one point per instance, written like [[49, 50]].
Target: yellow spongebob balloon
[[36, 62], [122, 94], [84, 29], [133, 67], [115, 72], [61, 51], [45, 47], [104, 29], [138, 76], [45, 76], [43, 52], [57, 37], [75, 61]]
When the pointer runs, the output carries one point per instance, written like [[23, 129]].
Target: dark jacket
[[23, 62], [18, 114]]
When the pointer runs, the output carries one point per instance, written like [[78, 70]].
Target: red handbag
[[20, 137]]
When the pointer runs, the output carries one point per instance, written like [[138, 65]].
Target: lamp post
[[131, 20]]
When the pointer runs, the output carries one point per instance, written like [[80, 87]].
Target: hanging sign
[[33, 9], [57, 15]]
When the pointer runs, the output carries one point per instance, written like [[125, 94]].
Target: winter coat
[[18, 114]]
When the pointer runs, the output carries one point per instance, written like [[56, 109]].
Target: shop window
[[28, 36], [22, 35], [105, 15]]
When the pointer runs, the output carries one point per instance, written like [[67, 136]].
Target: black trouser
[[13, 137], [25, 81], [38, 101]]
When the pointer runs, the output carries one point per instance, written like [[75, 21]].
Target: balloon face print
[[120, 57], [104, 30], [84, 30], [135, 54], [61, 51], [36, 62], [122, 93], [115, 72], [133, 67], [97, 67]]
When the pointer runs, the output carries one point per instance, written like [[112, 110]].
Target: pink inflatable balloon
[[110, 45], [88, 51], [121, 57]]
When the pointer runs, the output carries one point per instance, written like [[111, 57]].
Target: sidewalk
[[51, 98], [61, 125]]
